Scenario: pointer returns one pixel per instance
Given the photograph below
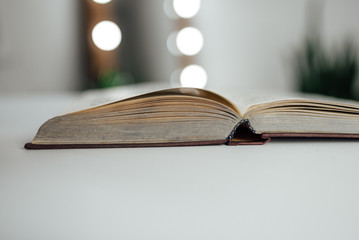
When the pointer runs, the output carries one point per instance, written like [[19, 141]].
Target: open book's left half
[[172, 117]]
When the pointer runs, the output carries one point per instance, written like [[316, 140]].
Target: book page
[[245, 100], [286, 112], [95, 98]]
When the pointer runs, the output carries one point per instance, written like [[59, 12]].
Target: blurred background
[[67, 45]]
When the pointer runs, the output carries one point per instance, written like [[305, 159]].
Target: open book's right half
[[298, 116]]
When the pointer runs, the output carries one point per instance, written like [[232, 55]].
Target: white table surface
[[282, 190]]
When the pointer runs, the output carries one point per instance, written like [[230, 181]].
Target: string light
[[106, 35], [185, 44], [101, 1], [193, 76], [186, 8], [189, 41]]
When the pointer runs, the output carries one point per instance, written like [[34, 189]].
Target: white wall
[[249, 44], [38, 45]]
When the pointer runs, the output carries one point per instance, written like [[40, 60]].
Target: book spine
[[244, 134]]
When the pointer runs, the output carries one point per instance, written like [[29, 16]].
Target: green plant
[[331, 73]]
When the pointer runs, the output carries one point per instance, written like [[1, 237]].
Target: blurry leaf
[[326, 72]]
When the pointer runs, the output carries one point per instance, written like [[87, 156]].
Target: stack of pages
[[129, 117]]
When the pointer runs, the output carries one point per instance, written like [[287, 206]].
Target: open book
[[189, 116]]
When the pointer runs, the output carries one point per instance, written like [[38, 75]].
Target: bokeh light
[[189, 41], [193, 76], [186, 8], [102, 1], [106, 35]]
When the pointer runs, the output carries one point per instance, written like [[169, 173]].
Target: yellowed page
[[95, 98], [248, 99]]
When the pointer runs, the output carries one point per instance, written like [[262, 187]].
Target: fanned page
[[297, 113], [245, 99], [175, 116], [96, 98], [248, 100]]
